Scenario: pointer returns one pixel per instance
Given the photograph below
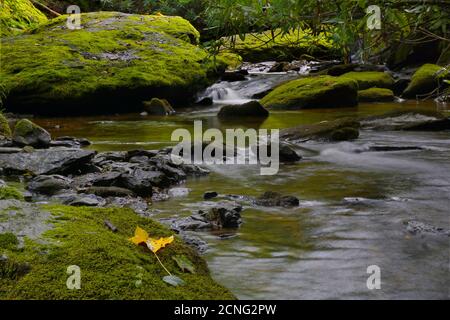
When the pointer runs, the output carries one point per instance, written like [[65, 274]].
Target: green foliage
[[111, 266], [18, 15], [344, 22]]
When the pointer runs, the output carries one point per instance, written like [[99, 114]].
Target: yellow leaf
[[140, 236], [156, 244]]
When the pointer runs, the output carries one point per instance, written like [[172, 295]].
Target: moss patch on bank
[[111, 64], [313, 92], [18, 15], [111, 266], [258, 47]]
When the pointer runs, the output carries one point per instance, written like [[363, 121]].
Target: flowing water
[[353, 209]]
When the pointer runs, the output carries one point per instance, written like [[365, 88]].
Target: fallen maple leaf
[[141, 236]]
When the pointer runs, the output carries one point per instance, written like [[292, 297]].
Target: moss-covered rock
[[313, 92], [111, 266], [252, 109], [159, 107], [376, 95], [370, 79], [8, 241], [5, 130], [426, 79], [27, 133], [8, 193], [258, 47], [113, 63], [18, 15]]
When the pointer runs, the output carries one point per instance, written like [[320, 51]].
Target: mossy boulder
[[376, 95], [252, 109], [370, 79], [336, 130], [259, 47], [159, 107], [27, 133], [112, 64], [7, 193], [5, 130], [313, 92], [426, 79], [111, 266], [18, 15]]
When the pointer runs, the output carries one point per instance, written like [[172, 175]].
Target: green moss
[[426, 79], [7, 193], [24, 127], [258, 47], [375, 95], [18, 15], [313, 92], [8, 241], [370, 79], [5, 130], [110, 264], [230, 59], [113, 63]]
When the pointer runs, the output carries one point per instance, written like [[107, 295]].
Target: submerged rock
[[113, 63], [158, 107], [275, 199], [209, 195], [408, 120], [26, 133], [251, 109], [417, 227], [336, 130], [312, 93]]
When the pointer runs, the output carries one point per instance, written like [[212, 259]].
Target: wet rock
[[70, 142], [6, 150], [104, 157], [141, 181], [26, 133], [98, 179], [400, 85], [286, 153], [275, 199], [140, 153], [158, 107], [178, 192], [408, 120], [49, 184], [85, 200], [195, 242], [232, 76], [280, 67], [210, 195], [206, 101], [417, 227], [250, 109], [138, 204], [226, 214], [108, 191], [50, 161], [336, 130]]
